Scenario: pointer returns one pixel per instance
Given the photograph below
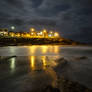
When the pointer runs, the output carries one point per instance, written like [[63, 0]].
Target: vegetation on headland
[[6, 41], [33, 37]]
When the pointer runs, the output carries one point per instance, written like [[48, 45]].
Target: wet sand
[[34, 74], [26, 74], [66, 69], [74, 74]]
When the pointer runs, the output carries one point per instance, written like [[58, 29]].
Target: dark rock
[[60, 59], [71, 86], [61, 64], [49, 88], [82, 57], [38, 70]]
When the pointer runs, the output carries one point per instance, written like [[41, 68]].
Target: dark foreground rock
[[70, 86], [48, 88], [81, 58], [62, 64], [64, 86]]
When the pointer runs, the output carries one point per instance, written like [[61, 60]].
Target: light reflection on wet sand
[[28, 73], [33, 68], [12, 64], [44, 49], [29, 50], [32, 62]]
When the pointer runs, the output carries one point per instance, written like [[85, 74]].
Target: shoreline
[[75, 70], [63, 84], [37, 41], [46, 45]]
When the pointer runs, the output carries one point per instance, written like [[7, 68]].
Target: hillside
[[36, 41]]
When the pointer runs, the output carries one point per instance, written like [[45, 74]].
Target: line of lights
[[33, 34]]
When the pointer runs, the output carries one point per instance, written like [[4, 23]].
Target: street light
[[56, 34], [51, 32], [44, 31], [32, 29], [50, 35], [12, 27], [32, 33], [41, 33]]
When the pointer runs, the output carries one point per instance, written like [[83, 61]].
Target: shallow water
[[21, 74], [42, 50], [32, 66]]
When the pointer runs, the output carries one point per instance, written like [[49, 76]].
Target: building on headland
[[3, 32], [31, 34], [11, 34]]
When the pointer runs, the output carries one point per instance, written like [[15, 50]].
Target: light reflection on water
[[29, 66], [29, 50], [27, 72], [32, 62], [43, 63], [13, 64], [43, 49], [38, 62], [56, 49]]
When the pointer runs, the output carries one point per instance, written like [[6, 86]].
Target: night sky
[[71, 18]]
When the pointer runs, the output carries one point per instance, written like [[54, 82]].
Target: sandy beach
[[66, 68]]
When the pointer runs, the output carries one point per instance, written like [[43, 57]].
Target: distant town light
[[12, 27], [32, 33], [41, 33], [32, 29], [51, 32], [38, 34], [44, 31], [49, 35], [56, 34]]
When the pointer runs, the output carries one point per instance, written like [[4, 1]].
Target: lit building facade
[[31, 34], [3, 31]]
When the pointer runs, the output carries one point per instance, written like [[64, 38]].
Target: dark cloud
[[71, 17], [15, 3], [43, 22], [17, 22], [37, 3]]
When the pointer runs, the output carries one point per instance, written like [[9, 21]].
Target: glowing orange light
[[41, 33], [32, 62], [32, 29], [56, 49], [32, 49], [44, 31], [32, 33], [44, 61], [44, 49], [51, 32], [50, 35], [56, 34]]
